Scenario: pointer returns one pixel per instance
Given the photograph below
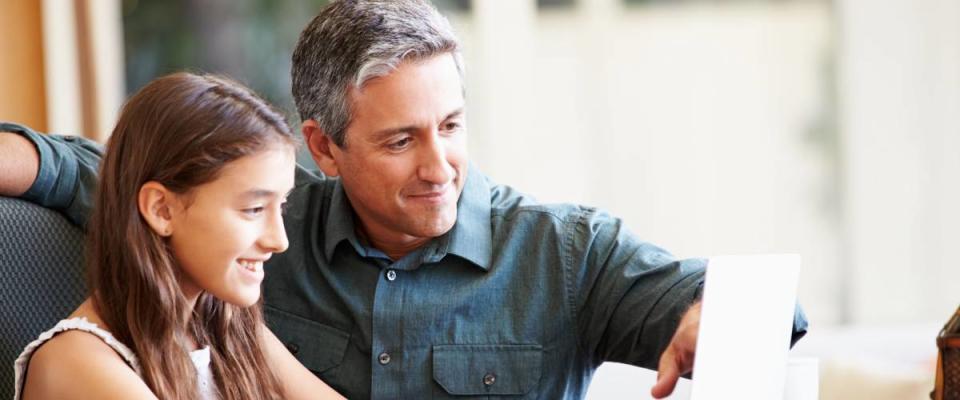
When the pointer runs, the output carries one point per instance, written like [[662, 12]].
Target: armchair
[[41, 277]]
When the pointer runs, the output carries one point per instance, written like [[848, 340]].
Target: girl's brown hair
[[179, 130]]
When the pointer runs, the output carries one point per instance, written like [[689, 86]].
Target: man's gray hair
[[353, 41]]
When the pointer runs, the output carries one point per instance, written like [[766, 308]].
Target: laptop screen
[[745, 326]]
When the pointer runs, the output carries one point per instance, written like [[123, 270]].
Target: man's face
[[405, 160]]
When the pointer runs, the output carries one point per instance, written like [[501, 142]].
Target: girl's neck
[[191, 341]]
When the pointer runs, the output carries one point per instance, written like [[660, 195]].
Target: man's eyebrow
[[455, 113], [383, 134], [386, 133]]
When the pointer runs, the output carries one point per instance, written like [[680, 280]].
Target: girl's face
[[224, 230]]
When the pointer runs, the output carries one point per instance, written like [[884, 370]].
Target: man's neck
[[393, 247]]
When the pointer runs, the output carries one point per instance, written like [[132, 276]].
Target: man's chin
[[436, 227]]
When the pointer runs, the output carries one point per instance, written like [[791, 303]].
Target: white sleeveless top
[[201, 358]]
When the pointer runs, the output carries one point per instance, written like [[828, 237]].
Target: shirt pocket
[[319, 347], [484, 371]]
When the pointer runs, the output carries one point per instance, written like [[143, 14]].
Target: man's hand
[[677, 359]]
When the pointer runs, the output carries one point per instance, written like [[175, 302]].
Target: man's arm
[[64, 174], [638, 304], [19, 162], [630, 295]]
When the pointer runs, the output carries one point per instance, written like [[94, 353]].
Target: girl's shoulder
[[74, 347], [78, 365], [78, 359], [78, 338]]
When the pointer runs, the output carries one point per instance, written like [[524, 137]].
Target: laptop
[[745, 327]]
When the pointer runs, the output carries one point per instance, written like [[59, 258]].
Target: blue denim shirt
[[519, 299]]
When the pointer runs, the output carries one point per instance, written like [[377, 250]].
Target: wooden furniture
[[948, 363]]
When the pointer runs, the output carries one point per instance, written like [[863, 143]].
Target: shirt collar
[[339, 222], [470, 238]]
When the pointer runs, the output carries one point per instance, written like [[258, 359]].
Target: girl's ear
[[157, 205]]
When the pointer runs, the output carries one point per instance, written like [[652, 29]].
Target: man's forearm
[[19, 163]]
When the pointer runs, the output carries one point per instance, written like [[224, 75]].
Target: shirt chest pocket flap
[[487, 370], [318, 347]]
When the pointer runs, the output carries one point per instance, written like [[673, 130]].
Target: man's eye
[[451, 126], [253, 211], [283, 207], [400, 144]]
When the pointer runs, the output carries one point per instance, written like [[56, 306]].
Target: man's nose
[[434, 166]]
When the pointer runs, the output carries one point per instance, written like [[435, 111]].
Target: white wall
[[831, 129], [900, 79], [692, 122], [744, 127]]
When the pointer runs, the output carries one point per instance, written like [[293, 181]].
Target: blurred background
[[818, 127]]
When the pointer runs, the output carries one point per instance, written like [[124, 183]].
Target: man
[[409, 273]]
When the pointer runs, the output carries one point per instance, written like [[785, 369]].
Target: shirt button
[[293, 348], [391, 275], [384, 358], [489, 379]]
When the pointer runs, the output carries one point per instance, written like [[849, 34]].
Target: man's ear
[[157, 206], [323, 150]]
